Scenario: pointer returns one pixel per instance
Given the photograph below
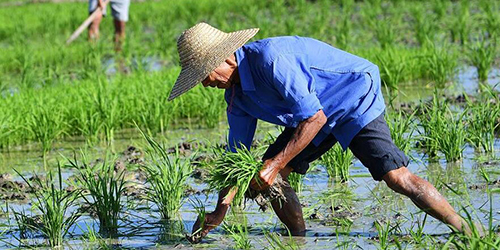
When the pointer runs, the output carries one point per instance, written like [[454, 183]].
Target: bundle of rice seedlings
[[236, 170]]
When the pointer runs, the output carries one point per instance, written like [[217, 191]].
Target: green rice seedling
[[482, 121], [384, 32], [296, 181], [340, 199], [238, 230], [234, 170], [343, 32], [440, 8], [481, 54], [417, 236], [460, 23], [402, 128], [277, 243], [432, 120], [478, 237], [7, 128], [452, 140], [337, 163], [438, 64], [425, 30], [45, 126], [392, 68], [384, 230], [106, 104], [103, 189], [53, 203], [491, 19], [93, 237], [166, 176]]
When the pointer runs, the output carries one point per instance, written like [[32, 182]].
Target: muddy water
[[359, 203], [362, 200]]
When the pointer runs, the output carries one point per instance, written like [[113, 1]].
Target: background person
[[119, 11]]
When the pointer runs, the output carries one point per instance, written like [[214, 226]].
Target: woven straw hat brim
[[194, 73]]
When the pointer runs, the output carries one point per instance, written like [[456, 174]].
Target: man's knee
[[402, 181]]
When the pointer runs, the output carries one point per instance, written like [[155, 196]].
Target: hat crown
[[194, 43], [201, 49]]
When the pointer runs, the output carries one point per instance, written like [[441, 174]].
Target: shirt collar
[[246, 78]]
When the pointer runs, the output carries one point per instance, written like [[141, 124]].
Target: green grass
[[166, 176], [53, 203]]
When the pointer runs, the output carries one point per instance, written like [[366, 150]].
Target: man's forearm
[[302, 136]]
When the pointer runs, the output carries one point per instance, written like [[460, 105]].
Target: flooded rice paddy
[[338, 215]]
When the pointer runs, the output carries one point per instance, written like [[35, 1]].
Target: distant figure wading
[[119, 11], [320, 94]]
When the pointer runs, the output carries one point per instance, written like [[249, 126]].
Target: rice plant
[[296, 181], [491, 18], [438, 64], [384, 32], [53, 203], [392, 68], [452, 140], [401, 127], [277, 243], [166, 176], [460, 22], [234, 170], [482, 55], [103, 189], [482, 121], [478, 236], [425, 30], [432, 120], [343, 33], [237, 229], [337, 163], [384, 230], [45, 126], [440, 8]]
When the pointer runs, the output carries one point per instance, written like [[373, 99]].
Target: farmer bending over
[[119, 11], [320, 94]]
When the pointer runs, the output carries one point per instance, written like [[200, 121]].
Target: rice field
[[93, 156]]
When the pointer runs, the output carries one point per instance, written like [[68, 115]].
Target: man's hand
[[101, 4], [266, 176], [212, 220], [303, 135]]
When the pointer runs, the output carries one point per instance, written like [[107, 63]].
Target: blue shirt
[[285, 80]]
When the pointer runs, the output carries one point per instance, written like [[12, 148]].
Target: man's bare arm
[[303, 135]]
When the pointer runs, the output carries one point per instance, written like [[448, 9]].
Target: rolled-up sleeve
[[293, 80], [241, 129]]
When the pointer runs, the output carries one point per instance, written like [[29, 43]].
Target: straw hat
[[202, 48]]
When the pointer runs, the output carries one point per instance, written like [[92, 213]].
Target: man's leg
[[94, 28], [425, 196], [119, 34], [374, 147], [289, 211]]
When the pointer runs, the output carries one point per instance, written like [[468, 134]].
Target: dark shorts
[[373, 146]]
